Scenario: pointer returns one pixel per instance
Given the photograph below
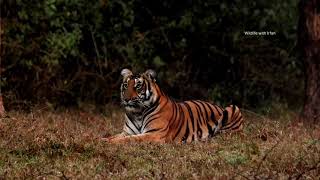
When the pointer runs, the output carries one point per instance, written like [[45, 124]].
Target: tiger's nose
[[130, 99]]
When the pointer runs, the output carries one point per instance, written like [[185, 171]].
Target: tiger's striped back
[[200, 120]]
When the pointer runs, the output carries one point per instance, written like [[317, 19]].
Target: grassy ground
[[54, 145]]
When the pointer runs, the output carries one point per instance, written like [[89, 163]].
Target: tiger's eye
[[139, 86]]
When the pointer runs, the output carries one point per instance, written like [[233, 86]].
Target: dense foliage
[[70, 51]]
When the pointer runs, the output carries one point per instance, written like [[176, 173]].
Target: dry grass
[[64, 145]]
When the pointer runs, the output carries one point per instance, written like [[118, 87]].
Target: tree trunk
[[2, 111], [309, 44]]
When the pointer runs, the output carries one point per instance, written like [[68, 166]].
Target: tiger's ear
[[126, 72], [151, 74]]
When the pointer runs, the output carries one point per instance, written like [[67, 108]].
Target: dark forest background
[[69, 52]]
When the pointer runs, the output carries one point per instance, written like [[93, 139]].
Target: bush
[[66, 52]]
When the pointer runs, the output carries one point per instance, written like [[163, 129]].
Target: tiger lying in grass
[[153, 117]]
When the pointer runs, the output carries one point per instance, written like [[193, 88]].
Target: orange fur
[[157, 118]]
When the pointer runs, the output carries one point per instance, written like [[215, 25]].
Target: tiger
[[152, 116]]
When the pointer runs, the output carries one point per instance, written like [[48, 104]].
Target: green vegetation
[[70, 52], [45, 144]]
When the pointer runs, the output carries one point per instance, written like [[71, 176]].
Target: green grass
[[53, 145]]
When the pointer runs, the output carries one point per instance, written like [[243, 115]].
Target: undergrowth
[[65, 144]]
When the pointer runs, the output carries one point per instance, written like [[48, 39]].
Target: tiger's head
[[138, 91]]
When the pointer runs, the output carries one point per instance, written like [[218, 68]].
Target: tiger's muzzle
[[134, 102]]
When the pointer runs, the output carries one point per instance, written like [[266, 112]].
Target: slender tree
[[2, 111], [309, 44]]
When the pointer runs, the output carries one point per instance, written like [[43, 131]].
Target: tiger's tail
[[232, 120]]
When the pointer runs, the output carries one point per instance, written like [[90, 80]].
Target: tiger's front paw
[[107, 139], [113, 140]]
